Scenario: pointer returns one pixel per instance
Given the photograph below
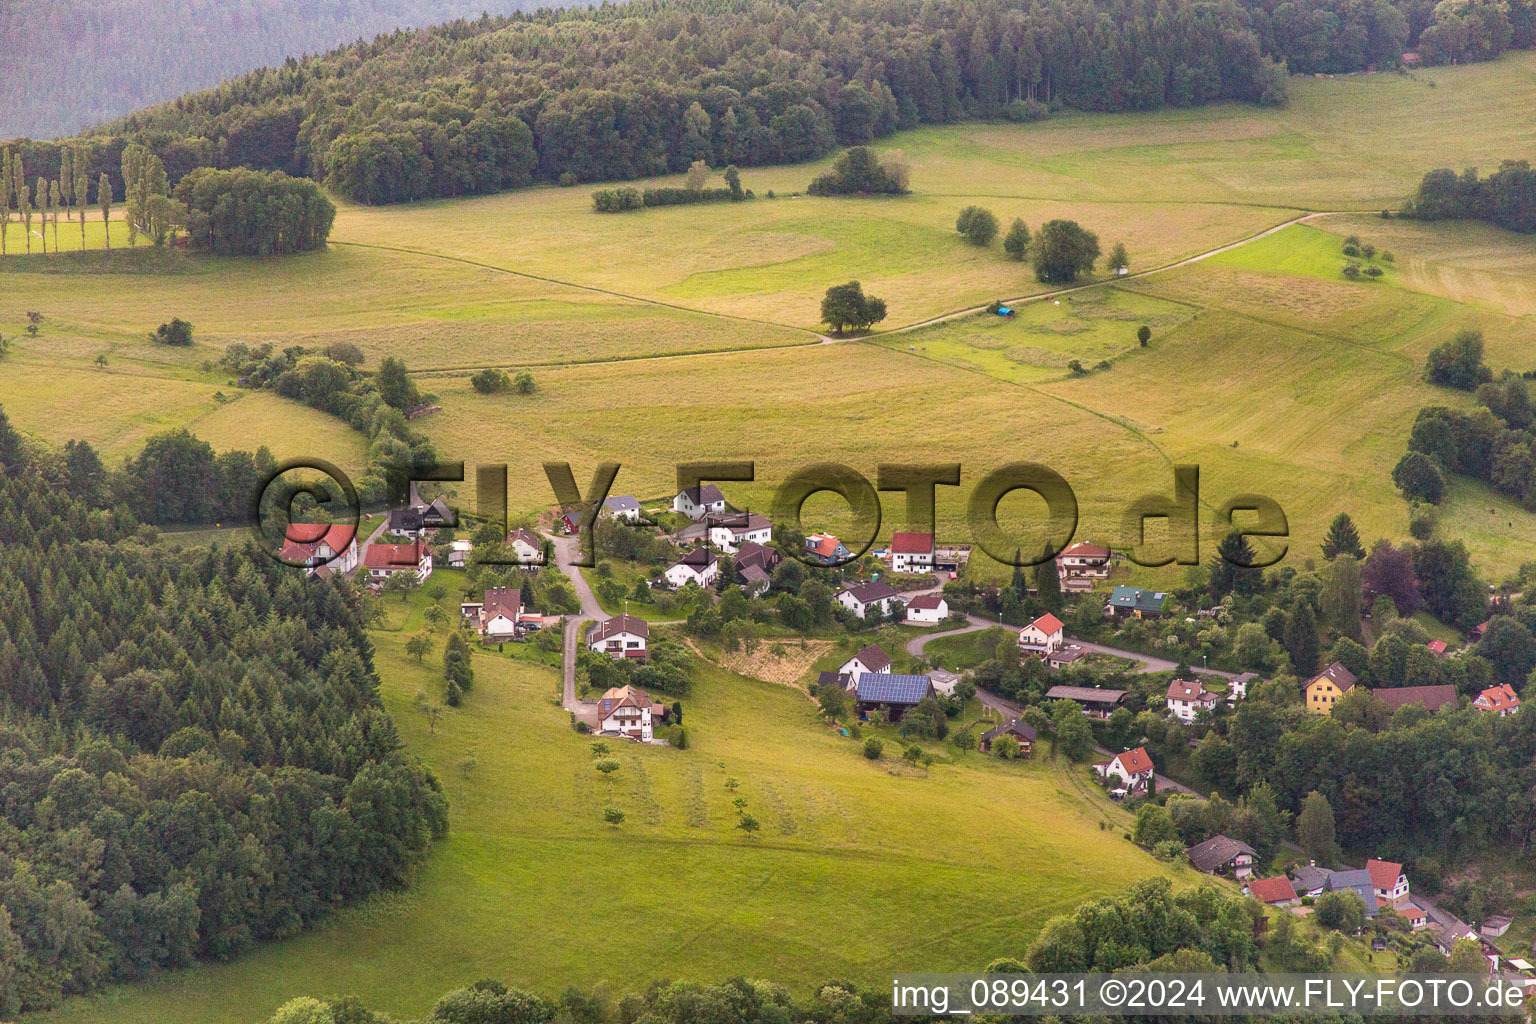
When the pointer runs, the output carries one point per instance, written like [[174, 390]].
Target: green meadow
[[940, 868]]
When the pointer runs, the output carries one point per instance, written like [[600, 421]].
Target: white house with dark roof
[[697, 566], [911, 552], [628, 712], [1220, 854], [698, 501], [623, 636], [729, 532], [495, 617], [859, 599], [870, 659], [927, 608], [526, 546], [623, 506]]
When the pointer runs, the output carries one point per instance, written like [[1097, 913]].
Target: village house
[[1019, 730], [892, 694], [730, 532], [623, 506], [1220, 854], [1277, 891], [1501, 700], [697, 566], [1309, 879], [1042, 636], [404, 523], [1432, 697], [1390, 882], [1131, 769], [526, 546], [385, 560], [927, 608], [1081, 565], [864, 596], [436, 514], [1065, 655], [699, 501], [1416, 916], [1187, 699], [321, 548], [623, 636], [870, 659], [1096, 703], [1135, 603], [496, 616], [911, 552], [1323, 691], [1357, 881], [1239, 688], [825, 549], [629, 712]]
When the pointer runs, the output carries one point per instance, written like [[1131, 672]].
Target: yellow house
[[1324, 691]]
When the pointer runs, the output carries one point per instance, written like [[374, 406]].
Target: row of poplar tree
[[150, 209]]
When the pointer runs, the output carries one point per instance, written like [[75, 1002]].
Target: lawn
[[911, 868]]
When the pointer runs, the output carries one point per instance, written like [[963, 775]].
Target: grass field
[[848, 847]]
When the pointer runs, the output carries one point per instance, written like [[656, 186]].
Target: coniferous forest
[[193, 752]]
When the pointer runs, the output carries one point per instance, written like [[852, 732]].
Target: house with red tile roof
[[1132, 768], [1186, 699], [497, 615], [629, 712], [825, 549], [328, 546], [1081, 565], [385, 560], [911, 552], [1042, 636], [1277, 891], [1389, 881], [1501, 700], [1437, 648]]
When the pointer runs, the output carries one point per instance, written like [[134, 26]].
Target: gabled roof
[[1183, 689], [1138, 599], [884, 688], [702, 494], [874, 659], [1215, 851], [1436, 646], [1085, 694], [526, 537], [403, 519], [502, 601], [699, 558], [753, 553], [393, 556], [1496, 698], [1309, 877], [753, 573], [622, 503], [622, 696], [1432, 697], [911, 543], [825, 679], [741, 522], [1047, 624], [1384, 873], [1135, 761], [1360, 881], [823, 544], [928, 602], [303, 539], [631, 624], [1336, 674], [1272, 890], [864, 593], [1084, 550], [1013, 727]]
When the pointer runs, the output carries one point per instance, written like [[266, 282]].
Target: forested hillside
[[193, 753], [74, 63]]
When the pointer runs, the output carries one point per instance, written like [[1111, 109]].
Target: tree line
[[196, 755], [632, 90], [1507, 197]]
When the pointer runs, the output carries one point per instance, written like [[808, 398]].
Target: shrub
[[1143, 335], [978, 225], [490, 381], [873, 748], [178, 332], [859, 172]]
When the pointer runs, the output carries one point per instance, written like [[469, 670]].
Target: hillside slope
[[74, 63]]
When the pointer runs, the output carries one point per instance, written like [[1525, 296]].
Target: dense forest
[[74, 63], [630, 90], [193, 752]]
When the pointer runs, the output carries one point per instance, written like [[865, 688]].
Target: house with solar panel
[[891, 693]]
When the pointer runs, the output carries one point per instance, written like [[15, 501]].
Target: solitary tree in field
[[1143, 335], [1118, 260], [82, 193], [977, 224], [1342, 538], [1063, 250], [1016, 241], [104, 200], [846, 305]]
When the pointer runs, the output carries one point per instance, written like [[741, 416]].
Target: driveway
[[567, 551]]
